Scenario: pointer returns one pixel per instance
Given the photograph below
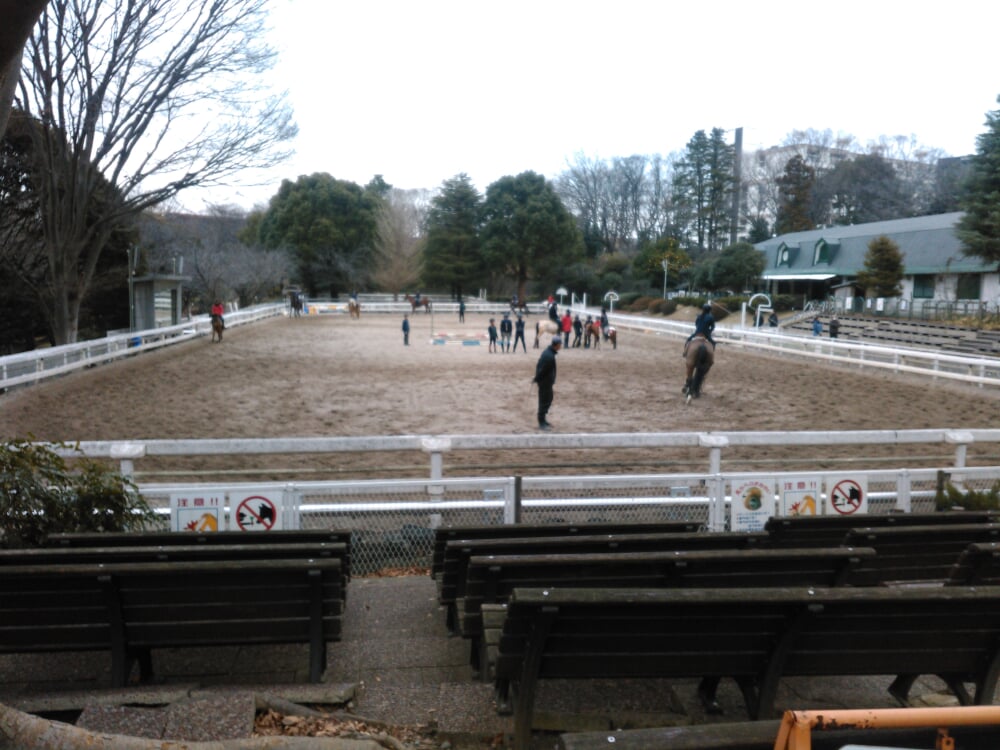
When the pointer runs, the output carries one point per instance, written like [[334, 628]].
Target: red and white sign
[[256, 513], [846, 495]]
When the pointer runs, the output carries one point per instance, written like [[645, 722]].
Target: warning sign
[[257, 513], [752, 504], [846, 496], [198, 513], [800, 496]]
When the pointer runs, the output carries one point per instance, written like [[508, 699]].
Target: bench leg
[[707, 689], [317, 644], [524, 703], [900, 688]]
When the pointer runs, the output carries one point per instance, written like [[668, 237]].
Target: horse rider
[[416, 298], [553, 311], [704, 324], [506, 328], [604, 323], [217, 312]]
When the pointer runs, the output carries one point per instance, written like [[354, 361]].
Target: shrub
[[949, 496], [41, 494], [625, 299], [662, 307]]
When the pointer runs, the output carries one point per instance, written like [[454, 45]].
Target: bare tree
[[153, 96], [399, 242], [18, 18]]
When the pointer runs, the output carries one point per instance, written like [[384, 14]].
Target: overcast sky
[[422, 90]]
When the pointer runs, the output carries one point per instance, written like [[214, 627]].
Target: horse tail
[[701, 356]]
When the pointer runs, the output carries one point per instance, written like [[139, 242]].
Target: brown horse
[[415, 303], [698, 361], [217, 328], [613, 336], [592, 332], [354, 308]]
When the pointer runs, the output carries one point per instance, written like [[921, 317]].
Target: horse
[[354, 308], [217, 328], [415, 303], [296, 305], [592, 332], [613, 336], [545, 326], [699, 360]]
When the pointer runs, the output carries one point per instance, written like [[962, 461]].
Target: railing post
[[436, 447], [125, 453], [961, 441], [512, 501], [904, 496], [717, 504]]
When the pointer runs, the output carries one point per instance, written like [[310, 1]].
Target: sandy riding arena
[[332, 375]]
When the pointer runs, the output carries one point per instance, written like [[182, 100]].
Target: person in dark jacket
[[519, 334], [545, 378], [703, 324]]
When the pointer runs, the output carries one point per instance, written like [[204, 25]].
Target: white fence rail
[[982, 371], [40, 364]]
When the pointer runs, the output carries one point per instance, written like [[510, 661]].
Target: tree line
[[99, 141]]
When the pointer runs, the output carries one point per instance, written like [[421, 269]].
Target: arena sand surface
[[333, 376]]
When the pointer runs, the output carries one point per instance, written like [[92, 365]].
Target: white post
[[904, 496], [126, 453], [717, 503], [961, 441]]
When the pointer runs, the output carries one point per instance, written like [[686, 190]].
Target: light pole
[[666, 264]]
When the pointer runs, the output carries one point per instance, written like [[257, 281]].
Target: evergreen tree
[[883, 269], [451, 257], [979, 229], [795, 187], [330, 227], [527, 231], [702, 190]]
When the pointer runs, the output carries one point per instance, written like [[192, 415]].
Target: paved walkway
[[396, 664]]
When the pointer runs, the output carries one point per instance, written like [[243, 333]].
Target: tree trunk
[[21, 731]]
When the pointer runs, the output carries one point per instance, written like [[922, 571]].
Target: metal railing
[[392, 523], [41, 364]]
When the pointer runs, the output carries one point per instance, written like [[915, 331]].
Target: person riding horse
[[217, 312], [704, 324]]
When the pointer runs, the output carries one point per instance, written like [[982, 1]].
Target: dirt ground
[[332, 376]]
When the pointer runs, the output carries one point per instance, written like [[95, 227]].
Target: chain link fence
[[392, 523]]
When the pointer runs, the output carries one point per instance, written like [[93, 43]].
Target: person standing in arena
[[406, 330], [506, 328], [519, 334], [545, 378]]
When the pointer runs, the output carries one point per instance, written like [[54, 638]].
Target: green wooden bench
[[491, 579], [129, 609], [914, 554], [445, 534], [451, 582], [755, 635], [824, 531], [215, 538]]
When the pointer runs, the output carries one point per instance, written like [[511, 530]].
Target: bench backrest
[[55, 607], [802, 531], [491, 579], [445, 534], [977, 565], [458, 552], [752, 633], [176, 553], [919, 553]]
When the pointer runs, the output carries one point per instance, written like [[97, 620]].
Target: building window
[[968, 286], [784, 255], [822, 253], [923, 286]]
